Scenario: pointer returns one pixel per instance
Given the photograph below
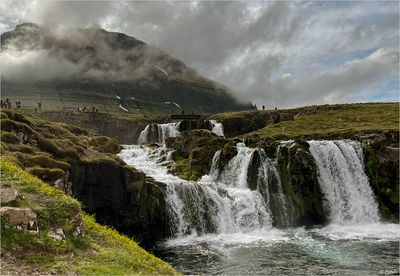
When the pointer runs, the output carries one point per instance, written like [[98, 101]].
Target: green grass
[[335, 121], [100, 251]]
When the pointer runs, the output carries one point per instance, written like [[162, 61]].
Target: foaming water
[[371, 232]]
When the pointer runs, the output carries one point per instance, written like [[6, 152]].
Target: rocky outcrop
[[20, 218], [237, 123], [194, 151], [299, 181], [122, 197], [9, 195], [381, 159]]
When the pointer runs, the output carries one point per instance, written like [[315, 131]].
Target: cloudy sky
[[281, 54]]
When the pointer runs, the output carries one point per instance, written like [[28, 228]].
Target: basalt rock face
[[122, 197], [194, 151], [381, 159], [244, 122], [299, 181]]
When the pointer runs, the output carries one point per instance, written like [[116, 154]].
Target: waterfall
[[217, 128], [270, 185], [342, 179], [214, 170], [158, 133], [235, 173], [207, 206]]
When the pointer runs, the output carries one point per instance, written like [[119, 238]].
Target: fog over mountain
[[71, 67], [274, 53]]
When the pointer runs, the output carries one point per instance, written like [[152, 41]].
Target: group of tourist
[[84, 109], [7, 104], [263, 107]]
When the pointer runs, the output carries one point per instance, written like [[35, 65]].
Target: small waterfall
[[235, 173], [217, 128], [158, 133], [345, 185], [214, 170], [270, 185]]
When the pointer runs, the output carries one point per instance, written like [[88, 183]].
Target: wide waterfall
[[342, 179], [158, 133], [220, 202], [217, 128]]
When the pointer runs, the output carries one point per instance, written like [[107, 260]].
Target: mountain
[[83, 67]]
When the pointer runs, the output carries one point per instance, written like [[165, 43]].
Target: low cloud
[[35, 65]]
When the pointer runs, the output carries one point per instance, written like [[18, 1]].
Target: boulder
[[9, 195], [21, 218]]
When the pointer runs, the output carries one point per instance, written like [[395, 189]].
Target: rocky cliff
[[85, 166]]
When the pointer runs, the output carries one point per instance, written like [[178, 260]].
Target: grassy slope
[[100, 250], [335, 121]]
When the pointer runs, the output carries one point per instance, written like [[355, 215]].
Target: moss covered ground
[[98, 251], [46, 149]]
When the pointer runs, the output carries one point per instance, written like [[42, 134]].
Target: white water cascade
[[158, 133], [207, 206], [342, 179], [217, 128]]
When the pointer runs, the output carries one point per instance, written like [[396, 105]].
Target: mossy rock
[[46, 174], [47, 162], [103, 159], [9, 138], [57, 150], [19, 117], [105, 144], [227, 153], [16, 127], [75, 130], [22, 148], [3, 148]]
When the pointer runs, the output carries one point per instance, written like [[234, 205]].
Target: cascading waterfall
[[158, 133], [342, 179], [217, 128], [207, 206]]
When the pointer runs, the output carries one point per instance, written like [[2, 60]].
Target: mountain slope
[[82, 67]]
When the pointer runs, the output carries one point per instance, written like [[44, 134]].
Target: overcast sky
[[282, 54]]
